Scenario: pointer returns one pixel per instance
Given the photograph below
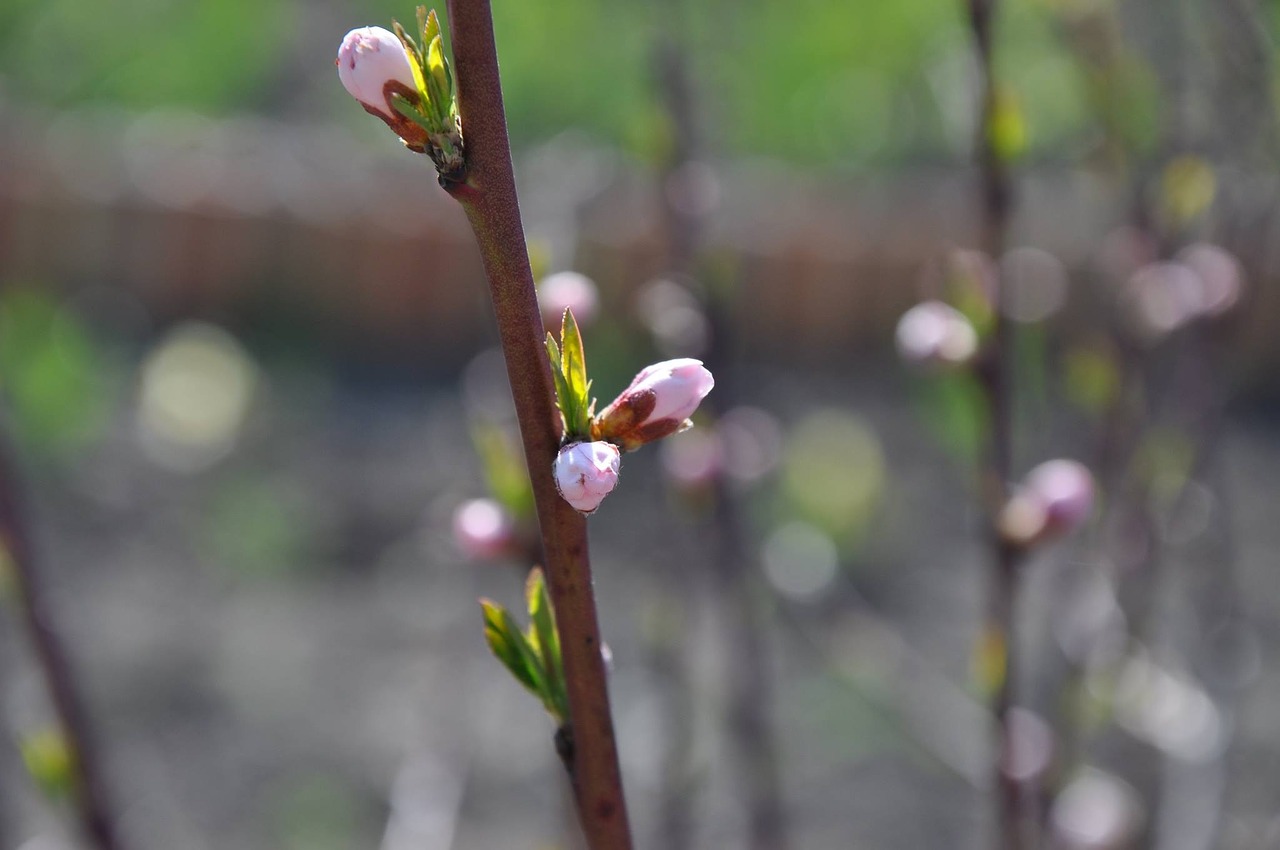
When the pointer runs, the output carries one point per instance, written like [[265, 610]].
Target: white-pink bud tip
[[585, 473], [679, 386], [368, 59], [657, 404]]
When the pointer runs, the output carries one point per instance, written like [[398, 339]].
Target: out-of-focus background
[[247, 368]]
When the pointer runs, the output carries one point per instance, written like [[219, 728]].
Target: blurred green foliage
[[48, 761], [834, 475], [259, 527], [816, 82], [202, 55], [314, 812], [52, 374], [951, 405]]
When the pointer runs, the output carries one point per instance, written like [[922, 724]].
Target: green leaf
[[499, 635], [574, 404], [514, 650], [546, 642], [416, 64], [402, 105], [48, 759], [557, 376], [504, 469], [415, 52], [428, 24], [438, 87]]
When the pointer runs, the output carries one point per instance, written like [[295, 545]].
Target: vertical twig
[[996, 376], [88, 790], [750, 686], [488, 196]]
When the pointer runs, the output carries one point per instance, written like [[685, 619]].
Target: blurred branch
[[488, 196], [750, 684], [88, 789], [999, 637]]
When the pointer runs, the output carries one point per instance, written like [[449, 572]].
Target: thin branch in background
[[999, 638], [88, 789], [750, 686], [488, 195]]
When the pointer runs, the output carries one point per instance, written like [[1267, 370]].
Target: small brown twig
[[87, 787], [488, 195]]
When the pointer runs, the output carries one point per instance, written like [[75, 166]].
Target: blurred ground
[[260, 681]]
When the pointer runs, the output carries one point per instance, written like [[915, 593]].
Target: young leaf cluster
[[569, 370], [437, 109], [533, 655]]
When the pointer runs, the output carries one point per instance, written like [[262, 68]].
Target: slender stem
[[996, 376], [88, 792], [488, 196], [750, 685]]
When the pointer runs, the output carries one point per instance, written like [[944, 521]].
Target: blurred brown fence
[[230, 219]]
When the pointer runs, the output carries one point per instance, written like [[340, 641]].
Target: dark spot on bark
[[606, 809]]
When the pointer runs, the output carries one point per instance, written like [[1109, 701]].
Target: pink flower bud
[[1065, 488], [373, 65], [585, 473], [658, 403], [567, 290], [934, 334], [483, 530], [1055, 498]]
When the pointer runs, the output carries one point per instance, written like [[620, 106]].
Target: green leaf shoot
[[569, 368], [439, 96], [546, 641], [504, 469], [499, 637], [521, 654]]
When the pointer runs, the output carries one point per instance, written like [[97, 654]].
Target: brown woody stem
[[488, 195], [87, 790]]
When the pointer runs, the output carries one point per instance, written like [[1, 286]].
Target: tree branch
[[488, 195]]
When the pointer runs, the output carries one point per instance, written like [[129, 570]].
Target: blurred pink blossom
[[935, 334], [567, 290], [694, 460], [1162, 297], [1054, 499], [483, 530], [585, 473], [1220, 276]]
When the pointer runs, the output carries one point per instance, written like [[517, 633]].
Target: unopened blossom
[[658, 403], [935, 334], [585, 473], [373, 65], [1054, 499], [483, 530]]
